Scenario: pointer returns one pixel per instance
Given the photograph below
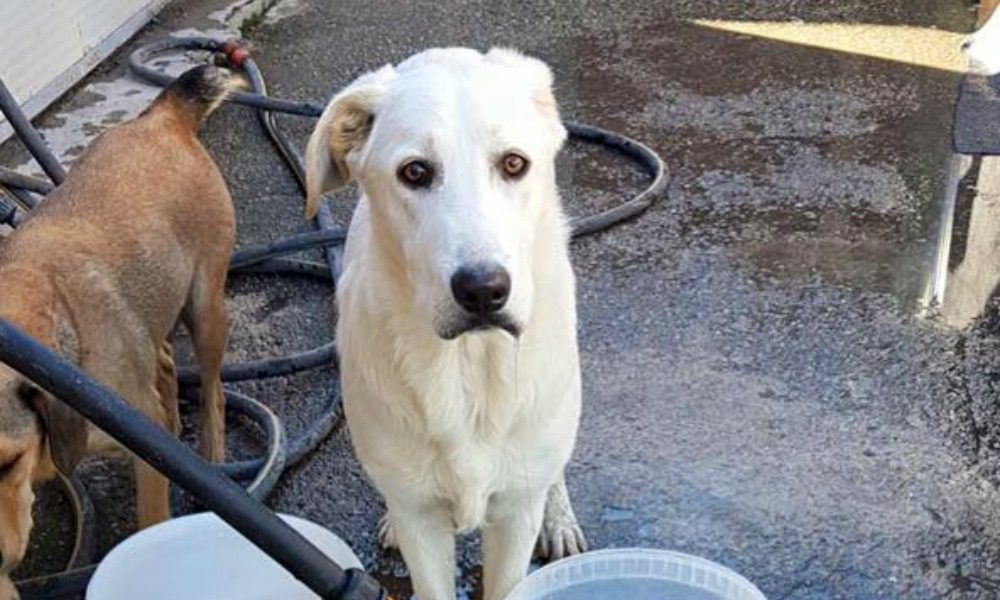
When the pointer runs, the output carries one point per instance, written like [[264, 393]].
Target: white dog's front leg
[[427, 540], [508, 541]]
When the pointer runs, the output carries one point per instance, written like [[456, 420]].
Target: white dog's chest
[[467, 476], [488, 422]]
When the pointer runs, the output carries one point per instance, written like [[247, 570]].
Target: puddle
[[774, 110], [806, 179], [95, 108], [617, 514], [116, 101]]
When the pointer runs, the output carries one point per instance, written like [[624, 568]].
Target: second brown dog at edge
[[135, 240]]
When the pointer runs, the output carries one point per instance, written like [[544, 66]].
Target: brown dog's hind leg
[[152, 493], [205, 317], [152, 490], [166, 387]]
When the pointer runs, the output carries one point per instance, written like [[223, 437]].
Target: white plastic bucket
[[200, 557], [635, 574]]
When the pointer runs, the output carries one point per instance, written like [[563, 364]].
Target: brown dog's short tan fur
[[138, 237]]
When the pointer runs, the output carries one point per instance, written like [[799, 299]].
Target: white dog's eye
[[416, 174], [513, 165]]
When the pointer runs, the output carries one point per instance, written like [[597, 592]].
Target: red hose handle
[[235, 53]]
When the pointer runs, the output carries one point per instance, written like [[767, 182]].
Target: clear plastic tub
[[200, 557], [635, 574]]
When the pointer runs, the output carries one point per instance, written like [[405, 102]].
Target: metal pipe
[[179, 463], [937, 280], [29, 136]]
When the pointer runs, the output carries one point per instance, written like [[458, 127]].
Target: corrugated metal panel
[[48, 45]]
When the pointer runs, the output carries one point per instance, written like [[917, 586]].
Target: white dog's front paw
[[559, 539], [386, 534], [561, 535]]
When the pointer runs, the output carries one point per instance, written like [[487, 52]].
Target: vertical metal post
[[29, 136]]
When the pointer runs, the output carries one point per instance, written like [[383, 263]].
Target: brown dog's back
[[141, 192]]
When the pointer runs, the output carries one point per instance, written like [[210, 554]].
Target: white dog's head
[[983, 47], [455, 151]]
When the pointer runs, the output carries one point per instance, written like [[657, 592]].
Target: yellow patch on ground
[[918, 46]]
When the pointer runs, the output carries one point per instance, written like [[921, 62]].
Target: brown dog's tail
[[198, 92]]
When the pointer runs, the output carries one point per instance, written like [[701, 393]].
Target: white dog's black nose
[[481, 289]]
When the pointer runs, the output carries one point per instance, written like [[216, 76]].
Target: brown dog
[[137, 237]]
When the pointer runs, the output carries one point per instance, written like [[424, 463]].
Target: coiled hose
[[271, 258]]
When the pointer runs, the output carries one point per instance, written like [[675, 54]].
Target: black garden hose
[[23, 197], [633, 207], [25, 182], [9, 213]]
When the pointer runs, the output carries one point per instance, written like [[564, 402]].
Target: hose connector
[[236, 53], [360, 586]]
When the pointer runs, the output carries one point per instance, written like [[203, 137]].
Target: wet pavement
[[758, 387]]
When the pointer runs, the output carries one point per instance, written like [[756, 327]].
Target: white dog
[[982, 48], [457, 317]]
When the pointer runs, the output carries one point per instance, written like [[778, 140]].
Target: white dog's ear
[[343, 128], [539, 77]]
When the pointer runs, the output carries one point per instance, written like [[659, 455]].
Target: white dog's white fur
[[459, 426], [982, 48]]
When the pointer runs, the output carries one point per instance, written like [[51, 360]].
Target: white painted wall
[[46, 46]]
